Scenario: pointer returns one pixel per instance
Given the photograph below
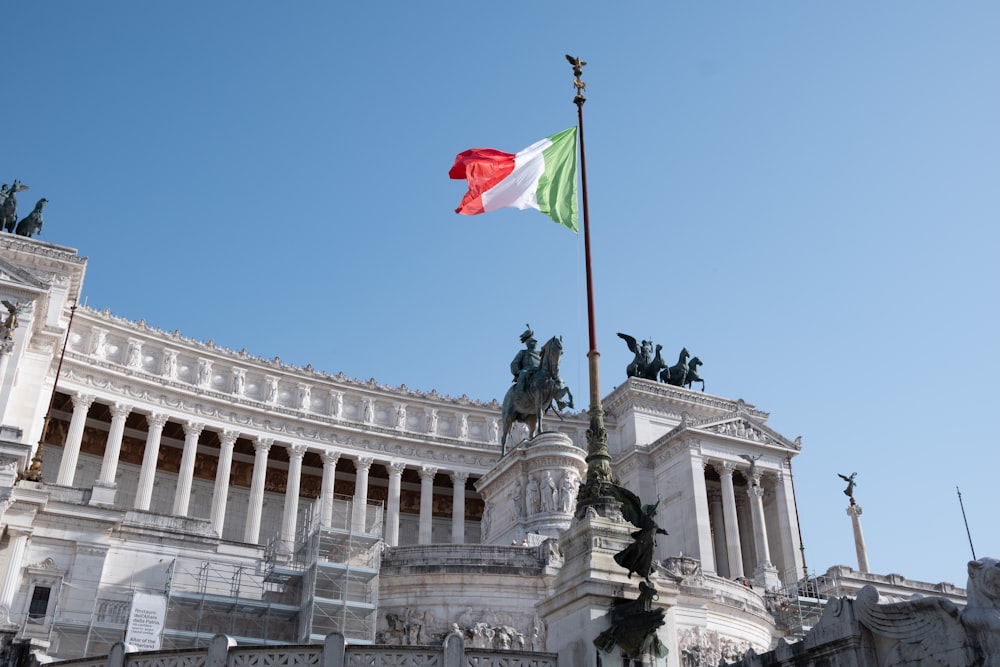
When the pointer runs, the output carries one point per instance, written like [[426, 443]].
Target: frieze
[[441, 449], [665, 453], [628, 392], [48, 250], [276, 363]]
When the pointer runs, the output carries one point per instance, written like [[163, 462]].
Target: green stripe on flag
[[556, 194]]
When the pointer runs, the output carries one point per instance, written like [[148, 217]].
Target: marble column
[[718, 533], [458, 480], [326, 490], [292, 485], [109, 466], [150, 456], [784, 505], [359, 513], [734, 551], [756, 495], [261, 446], [220, 494], [395, 470], [103, 491], [71, 450], [854, 511], [185, 475], [424, 535], [11, 581]]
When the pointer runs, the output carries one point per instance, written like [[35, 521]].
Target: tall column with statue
[[854, 511]]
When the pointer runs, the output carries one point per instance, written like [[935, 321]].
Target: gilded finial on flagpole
[[578, 83]]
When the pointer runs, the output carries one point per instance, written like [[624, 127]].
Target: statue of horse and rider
[[536, 386], [649, 365]]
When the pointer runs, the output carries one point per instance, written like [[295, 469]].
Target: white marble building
[[278, 504]]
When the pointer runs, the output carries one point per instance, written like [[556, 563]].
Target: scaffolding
[[797, 608], [337, 566], [326, 580]]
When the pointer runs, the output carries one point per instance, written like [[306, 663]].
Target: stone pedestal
[[531, 492], [577, 611], [103, 495]]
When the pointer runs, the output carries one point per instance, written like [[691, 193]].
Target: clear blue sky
[[804, 194]]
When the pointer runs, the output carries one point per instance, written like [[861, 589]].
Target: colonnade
[[727, 514], [104, 486]]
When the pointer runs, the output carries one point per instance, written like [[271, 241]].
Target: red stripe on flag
[[482, 168]]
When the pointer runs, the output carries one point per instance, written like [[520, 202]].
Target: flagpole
[[593, 491]]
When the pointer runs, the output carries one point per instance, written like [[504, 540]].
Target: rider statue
[[525, 360]]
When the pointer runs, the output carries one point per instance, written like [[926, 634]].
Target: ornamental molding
[[15, 277], [738, 426], [287, 372], [630, 392], [222, 417], [47, 566], [41, 250]]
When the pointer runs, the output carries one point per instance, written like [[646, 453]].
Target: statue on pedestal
[[634, 622], [536, 386]]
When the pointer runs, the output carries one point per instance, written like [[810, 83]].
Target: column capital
[[363, 463], [329, 458], [725, 468], [19, 531], [459, 477], [192, 429], [120, 410], [755, 491], [427, 472], [156, 420], [262, 444], [82, 401], [228, 438], [395, 468], [296, 451]]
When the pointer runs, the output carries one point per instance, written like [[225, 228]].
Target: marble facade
[[161, 452]]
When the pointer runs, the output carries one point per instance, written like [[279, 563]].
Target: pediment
[[17, 278], [737, 426]]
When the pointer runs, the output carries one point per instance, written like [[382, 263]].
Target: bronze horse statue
[[8, 205], [676, 375], [542, 386], [692, 374]]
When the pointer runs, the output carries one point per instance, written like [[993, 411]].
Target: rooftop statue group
[[31, 224], [536, 386], [649, 364]]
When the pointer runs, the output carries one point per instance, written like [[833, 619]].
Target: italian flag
[[542, 176]]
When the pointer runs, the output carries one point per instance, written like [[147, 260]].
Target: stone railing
[[332, 653], [459, 557]]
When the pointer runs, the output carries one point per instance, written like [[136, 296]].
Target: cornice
[[354, 438], [41, 249], [636, 392], [175, 339]]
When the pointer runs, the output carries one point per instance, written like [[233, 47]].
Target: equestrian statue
[[536, 385]]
